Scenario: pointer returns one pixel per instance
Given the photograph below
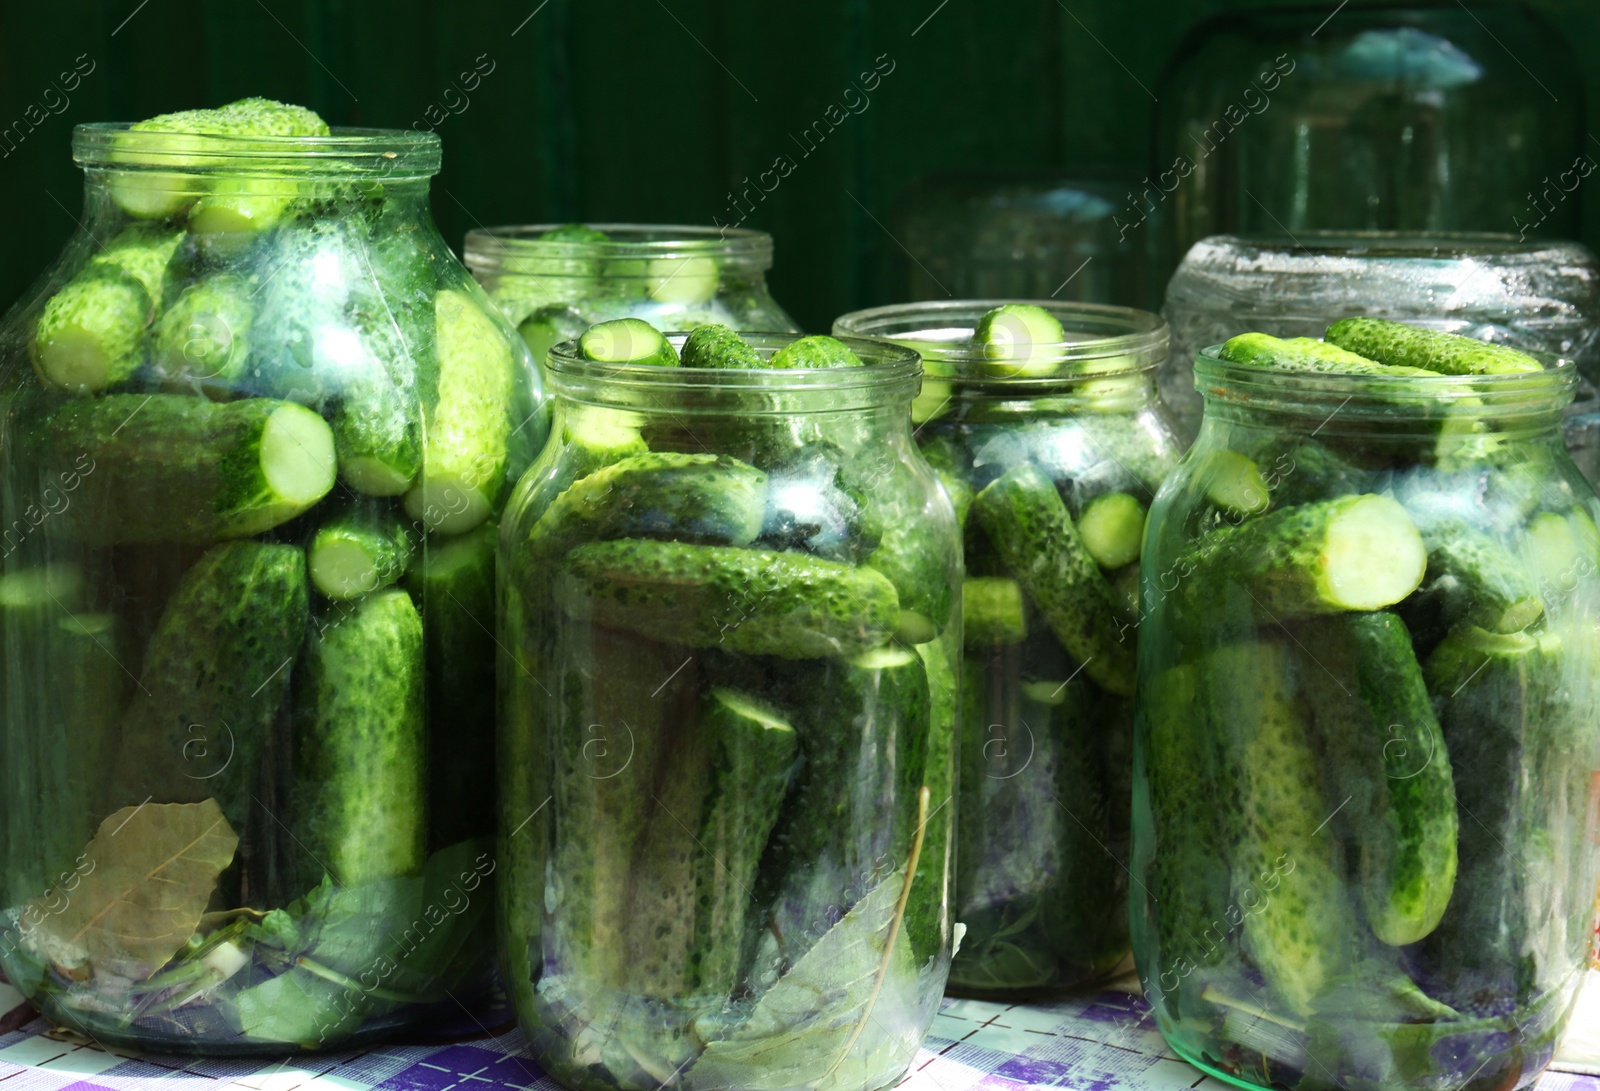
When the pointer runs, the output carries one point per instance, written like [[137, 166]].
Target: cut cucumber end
[[342, 569], [915, 628], [683, 280], [147, 195], [1112, 528], [1046, 693], [748, 709], [42, 585], [887, 657], [297, 458], [626, 341], [1372, 555], [374, 477], [447, 504], [75, 360], [1234, 483]]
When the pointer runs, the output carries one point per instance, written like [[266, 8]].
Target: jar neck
[[1117, 394], [629, 252]]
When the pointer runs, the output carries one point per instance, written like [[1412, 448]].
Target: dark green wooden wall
[[652, 110]]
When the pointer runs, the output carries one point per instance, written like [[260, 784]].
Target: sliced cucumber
[[1112, 528], [627, 341], [1019, 339]]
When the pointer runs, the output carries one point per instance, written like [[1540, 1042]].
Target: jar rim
[[889, 373], [343, 153], [1130, 339], [1387, 396], [520, 249], [1420, 245]]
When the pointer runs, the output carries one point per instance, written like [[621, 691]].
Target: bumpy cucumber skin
[[913, 560], [928, 909], [143, 251], [453, 582], [1306, 354], [468, 429], [1028, 524], [688, 497], [1478, 580], [744, 600], [1192, 886], [216, 675], [1302, 935], [1400, 345], [105, 305], [1387, 756], [992, 612], [816, 351], [201, 342], [361, 753], [716, 346], [1278, 559], [167, 467]]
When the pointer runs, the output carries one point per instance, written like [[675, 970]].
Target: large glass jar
[[553, 282], [1543, 296], [257, 424], [731, 622], [1398, 117], [1051, 469], [1369, 702], [986, 234]]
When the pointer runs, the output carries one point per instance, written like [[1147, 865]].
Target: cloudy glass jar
[[731, 623], [258, 424], [1051, 464], [1369, 721]]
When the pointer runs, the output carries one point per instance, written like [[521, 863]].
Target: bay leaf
[[807, 1029], [154, 869]]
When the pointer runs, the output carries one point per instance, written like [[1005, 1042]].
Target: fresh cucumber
[[928, 908], [201, 342], [694, 865], [596, 436], [215, 679], [1302, 935], [1477, 579], [547, 327], [361, 744], [179, 469], [144, 251], [695, 498], [362, 549], [816, 351], [1306, 354], [453, 583], [1386, 755], [1563, 549], [627, 341], [743, 600], [1400, 345], [1234, 483], [91, 334], [992, 612], [1350, 553], [1028, 524], [236, 211], [469, 426], [1019, 339], [918, 566], [1112, 528], [717, 346]]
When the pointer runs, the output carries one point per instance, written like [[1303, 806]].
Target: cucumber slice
[[1112, 528], [1234, 483], [359, 551], [1400, 345], [720, 347], [627, 341], [1020, 338], [685, 281], [296, 458], [90, 335], [816, 351]]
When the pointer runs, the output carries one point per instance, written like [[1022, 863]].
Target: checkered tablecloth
[[1104, 1042]]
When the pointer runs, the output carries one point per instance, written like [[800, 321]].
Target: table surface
[[1103, 1042]]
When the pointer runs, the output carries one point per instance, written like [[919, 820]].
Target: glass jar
[[1369, 700], [985, 234], [1043, 466], [257, 424], [1397, 117], [673, 276], [730, 627]]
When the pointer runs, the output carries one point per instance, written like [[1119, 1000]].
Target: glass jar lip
[[519, 249], [1387, 396], [1422, 245], [889, 373], [391, 153], [941, 331]]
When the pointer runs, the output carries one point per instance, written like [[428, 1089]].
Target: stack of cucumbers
[[250, 489], [1051, 479], [1369, 715], [727, 745]]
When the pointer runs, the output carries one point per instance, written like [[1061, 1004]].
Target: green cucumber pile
[[556, 285], [250, 665], [727, 753], [1052, 489], [1369, 713]]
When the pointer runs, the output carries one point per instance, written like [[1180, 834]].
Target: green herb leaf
[[155, 867], [814, 1011]]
